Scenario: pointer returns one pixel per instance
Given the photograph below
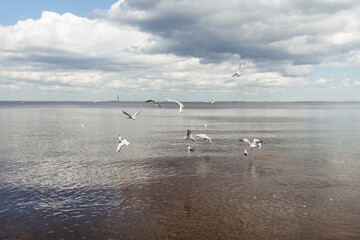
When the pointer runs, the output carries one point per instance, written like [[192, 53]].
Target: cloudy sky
[[87, 50]]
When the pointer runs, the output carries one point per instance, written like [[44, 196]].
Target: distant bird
[[245, 153], [189, 136], [178, 103], [237, 74], [122, 142], [155, 102], [205, 125], [133, 117], [191, 149], [204, 136], [254, 143], [212, 100]]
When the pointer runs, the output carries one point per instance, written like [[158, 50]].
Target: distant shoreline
[[94, 102]]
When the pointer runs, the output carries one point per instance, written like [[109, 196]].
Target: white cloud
[[323, 81], [355, 59], [180, 46]]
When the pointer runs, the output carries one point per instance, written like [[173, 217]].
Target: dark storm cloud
[[255, 30], [55, 59]]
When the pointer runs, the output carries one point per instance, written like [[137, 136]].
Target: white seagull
[[122, 142], [178, 103], [245, 153], [155, 102], [212, 100], [133, 117], [204, 136], [189, 136], [254, 143], [237, 74], [191, 149]]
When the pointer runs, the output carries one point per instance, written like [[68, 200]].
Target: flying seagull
[[189, 136], [133, 117], [155, 102], [178, 103], [254, 143], [237, 74], [122, 142], [212, 100], [204, 136]]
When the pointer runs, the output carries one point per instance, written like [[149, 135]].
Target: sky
[[93, 50]]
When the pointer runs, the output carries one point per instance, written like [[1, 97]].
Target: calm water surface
[[61, 178]]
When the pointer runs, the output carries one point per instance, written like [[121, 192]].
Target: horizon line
[[129, 101]]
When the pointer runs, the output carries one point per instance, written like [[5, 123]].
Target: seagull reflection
[[252, 170], [189, 204], [204, 168]]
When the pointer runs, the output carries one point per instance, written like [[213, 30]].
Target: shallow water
[[59, 179]]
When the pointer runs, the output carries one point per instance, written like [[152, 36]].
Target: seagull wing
[[137, 113], [127, 114], [245, 140], [121, 144], [256, 141], [150, 100], [189, 135], [171, 100], [204, 136], [181, 108], [158, 104]]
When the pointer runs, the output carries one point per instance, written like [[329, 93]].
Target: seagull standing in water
[[189, 136], [212, 100], [133, 117], [122, 142], [254, 143], [245, 153], [155, 102], [178, 103], [204, 136], [237, 74], [191, 149]]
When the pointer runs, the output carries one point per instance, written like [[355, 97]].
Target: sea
[[61, 178]]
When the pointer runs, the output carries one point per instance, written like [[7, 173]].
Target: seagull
[[191, 149], [237, 74], [189, 136], [155, 102], [212, 100], [204, 136], [122, 142], [205, 125], [133, 117], [245, 153], [254, 143], [178, 103]]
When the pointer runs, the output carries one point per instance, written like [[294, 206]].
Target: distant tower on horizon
[[118, 99]]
